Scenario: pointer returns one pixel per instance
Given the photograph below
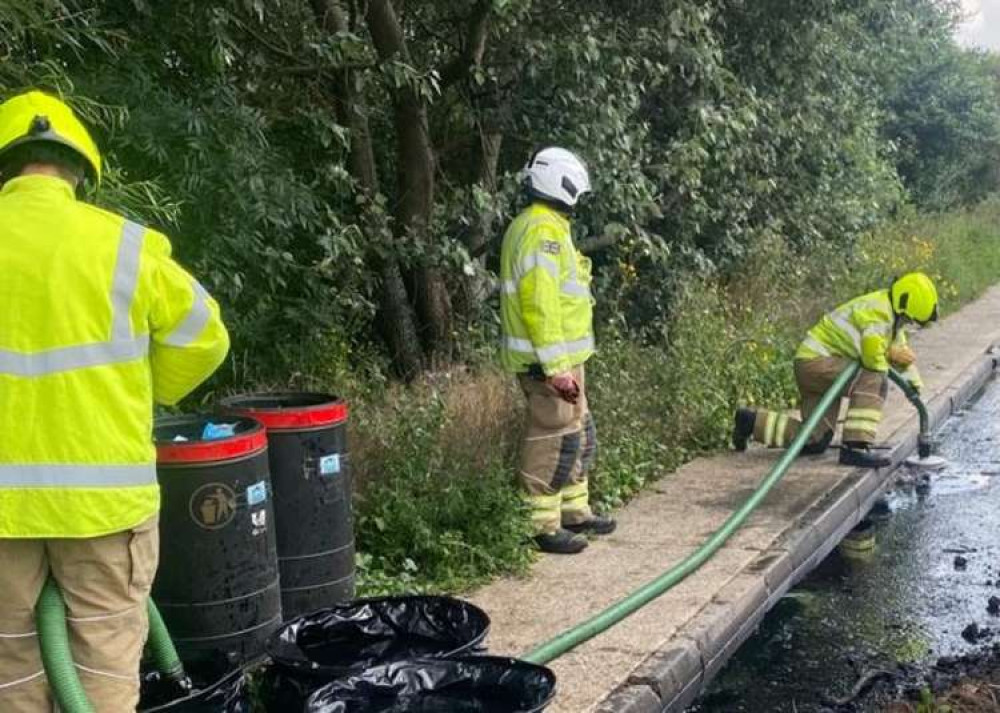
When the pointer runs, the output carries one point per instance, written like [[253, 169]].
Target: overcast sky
[[983, 27]]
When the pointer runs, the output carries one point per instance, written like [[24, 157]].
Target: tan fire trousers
[[105, 582], [866, 396], [559, 447]]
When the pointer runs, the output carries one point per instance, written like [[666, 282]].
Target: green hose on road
[[618, 611], [924, 443], [57, 658]]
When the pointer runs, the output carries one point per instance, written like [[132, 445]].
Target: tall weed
[[436, 503]]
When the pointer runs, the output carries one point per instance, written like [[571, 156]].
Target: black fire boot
[[818, 447], [596, 525], [860, 455], [743, 423], [561, 542]]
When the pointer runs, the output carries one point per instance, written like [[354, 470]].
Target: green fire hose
[[924, 442], [618, 611], [53, 639]]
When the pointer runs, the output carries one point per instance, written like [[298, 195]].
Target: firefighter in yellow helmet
[[548, 336], [97, 323], [869, 329]]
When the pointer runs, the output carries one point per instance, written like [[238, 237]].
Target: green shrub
[[437, 507]]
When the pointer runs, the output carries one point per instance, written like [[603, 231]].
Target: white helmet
[[558, 175]]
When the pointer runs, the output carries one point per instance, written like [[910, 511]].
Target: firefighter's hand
[[902, 357], [565, 385]]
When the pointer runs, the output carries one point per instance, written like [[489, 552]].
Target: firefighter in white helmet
[[546, 312]]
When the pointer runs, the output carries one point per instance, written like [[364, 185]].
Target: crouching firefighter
[[548, 336], [869, 329]]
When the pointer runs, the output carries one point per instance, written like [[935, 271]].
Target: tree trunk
[[396, 320], [490, 142], [415, 202]]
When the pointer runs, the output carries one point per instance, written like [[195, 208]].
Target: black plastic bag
[[211, 694], [472, 684], [317, 648]]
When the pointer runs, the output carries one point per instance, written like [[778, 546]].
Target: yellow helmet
[[36, 116], [914, 296]]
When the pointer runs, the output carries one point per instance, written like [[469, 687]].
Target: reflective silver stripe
[[49, 475], [126, 277], [861, 425], [121, 347], [520, 345], [769, 425], [537, 260], [69, 358], [551, 352], [847, 328], [575, 289], [580, 345], [811, 342], [880, 330], [557, 350], [195, 321], [509, 287], [780, 429], [879, 303]]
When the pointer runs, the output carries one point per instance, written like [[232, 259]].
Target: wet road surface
[[934, 568]]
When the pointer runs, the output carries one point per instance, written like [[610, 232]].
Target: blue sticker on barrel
[[257, 493], [329, 465]]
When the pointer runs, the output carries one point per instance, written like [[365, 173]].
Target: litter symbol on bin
[[257, 493], [259, 522], [213, 506], [329, 465]]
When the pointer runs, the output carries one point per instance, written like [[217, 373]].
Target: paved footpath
[[660, 658]]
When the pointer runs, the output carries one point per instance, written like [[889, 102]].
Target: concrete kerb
[[669, 681], [668, 673], [634, 699]]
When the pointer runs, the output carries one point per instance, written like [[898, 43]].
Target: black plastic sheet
[[330, 644], [211, 694], [474, 684]]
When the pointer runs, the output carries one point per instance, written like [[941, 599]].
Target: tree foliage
[[340, 171]]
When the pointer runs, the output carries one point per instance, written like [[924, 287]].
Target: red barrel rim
[[223, 449], [328, 413]]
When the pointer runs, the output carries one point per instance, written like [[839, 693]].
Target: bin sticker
[[329, 465], [258, 520], [213, 506], [257, 493]]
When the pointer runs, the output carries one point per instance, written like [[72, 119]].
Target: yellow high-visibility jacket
[[96, 322], [863, 329], [546, 307]]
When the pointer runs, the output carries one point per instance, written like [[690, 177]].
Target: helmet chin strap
[[551, 202]]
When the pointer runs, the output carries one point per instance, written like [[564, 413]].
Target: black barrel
[[217, 584], [307, 443]]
